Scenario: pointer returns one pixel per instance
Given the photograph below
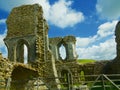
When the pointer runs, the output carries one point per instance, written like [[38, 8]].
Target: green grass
[[84, 61]]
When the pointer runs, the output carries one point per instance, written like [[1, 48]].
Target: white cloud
[[2, 21], [103, 51], [100, 46], [1, 40], [60, 13], [106, 29], [84, 42], [3, 48], [109, 9]]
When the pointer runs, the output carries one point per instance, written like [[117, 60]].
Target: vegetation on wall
[[84, 61]]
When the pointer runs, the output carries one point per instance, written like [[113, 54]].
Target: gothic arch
[[69, 44], [20, 50], [66, 75]]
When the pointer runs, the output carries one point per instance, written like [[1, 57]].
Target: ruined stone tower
[[27, 26]]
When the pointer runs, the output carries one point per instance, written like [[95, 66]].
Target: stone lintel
[[55, 41]]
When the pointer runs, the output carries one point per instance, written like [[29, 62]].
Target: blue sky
[[92, 22]]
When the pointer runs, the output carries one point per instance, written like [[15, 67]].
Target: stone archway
[[66, 78], [21, 75]]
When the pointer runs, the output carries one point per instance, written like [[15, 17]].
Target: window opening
[[62, 52]]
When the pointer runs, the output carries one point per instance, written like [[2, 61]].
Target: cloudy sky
[[91, 21]]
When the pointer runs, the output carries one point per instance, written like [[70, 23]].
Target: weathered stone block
[[23, 20]]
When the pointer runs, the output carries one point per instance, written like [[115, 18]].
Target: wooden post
[[103, 84], [69, 87], [8, 83]]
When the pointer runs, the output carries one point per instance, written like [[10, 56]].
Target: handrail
[[95, 81], [111, 82], [102, 76]]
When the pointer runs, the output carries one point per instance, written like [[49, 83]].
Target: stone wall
[[15, 71], [5, 68], [24, 20], [74, 69]]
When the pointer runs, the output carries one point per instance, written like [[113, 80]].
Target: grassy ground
[[84, 61]]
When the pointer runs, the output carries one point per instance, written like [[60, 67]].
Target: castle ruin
[[28, 27]]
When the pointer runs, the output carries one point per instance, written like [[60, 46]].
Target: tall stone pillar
[[117, 39], [11, 46], [46, 28], [54, 46], [69, 43]]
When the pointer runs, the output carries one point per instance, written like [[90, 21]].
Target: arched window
[[62, 52], [22, 49], [25, 54]]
